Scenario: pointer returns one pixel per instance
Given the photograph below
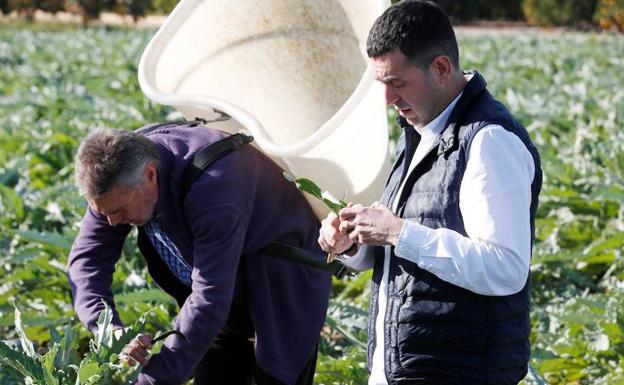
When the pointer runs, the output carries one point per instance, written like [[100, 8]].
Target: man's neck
[[454, 88]]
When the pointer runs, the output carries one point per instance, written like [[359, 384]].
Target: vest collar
[[475, 87]]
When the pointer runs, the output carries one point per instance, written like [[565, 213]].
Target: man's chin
[[140, 222], [409, 118], [412, 122]]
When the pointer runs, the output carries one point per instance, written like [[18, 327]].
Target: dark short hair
[[109, 158], [421, 30]]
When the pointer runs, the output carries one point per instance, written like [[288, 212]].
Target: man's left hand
[[372, 225]]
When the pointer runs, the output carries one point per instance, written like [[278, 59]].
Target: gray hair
[[108, 158]]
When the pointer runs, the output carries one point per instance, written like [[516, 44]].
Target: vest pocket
[[438, 332], [419, 343]]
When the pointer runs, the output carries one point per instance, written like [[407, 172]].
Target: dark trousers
[[231, 359]]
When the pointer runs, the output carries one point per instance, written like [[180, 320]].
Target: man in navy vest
[[450, 240], [245, 314]]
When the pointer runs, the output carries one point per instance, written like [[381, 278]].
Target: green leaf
[[21, 362], [122, 338], [612, 242], [105, 332], [88, 372], [50, 374], [48, 359], [12, 202], [144, 295], [308, 186], [336, 324], [47, 239], [305, 185], [27, 345], [55, 338], [67, 348]]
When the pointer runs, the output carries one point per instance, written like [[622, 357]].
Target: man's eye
[[397, 84]]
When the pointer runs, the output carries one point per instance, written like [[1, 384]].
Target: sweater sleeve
[[219, 233], [91, 266]]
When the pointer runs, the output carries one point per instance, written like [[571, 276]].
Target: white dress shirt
[[494, 200]]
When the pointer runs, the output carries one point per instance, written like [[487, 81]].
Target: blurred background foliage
[[58, 85], [605, 14], [88, 9]]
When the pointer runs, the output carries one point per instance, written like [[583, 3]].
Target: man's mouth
[[403, 110]]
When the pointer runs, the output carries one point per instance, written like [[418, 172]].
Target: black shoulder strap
[[208, 155]]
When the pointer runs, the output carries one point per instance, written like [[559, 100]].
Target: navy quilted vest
[[435, 332]]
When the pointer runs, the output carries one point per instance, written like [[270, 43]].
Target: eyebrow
[[389, 78], [112, 212]]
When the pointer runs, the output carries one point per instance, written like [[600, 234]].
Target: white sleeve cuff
[[360, 261], [411, 238]]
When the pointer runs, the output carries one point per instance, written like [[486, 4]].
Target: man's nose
[[390, 95]]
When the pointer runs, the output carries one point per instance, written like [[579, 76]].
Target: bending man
[[245, 314]]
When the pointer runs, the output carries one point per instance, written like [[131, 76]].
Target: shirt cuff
[[360, 261], [412, 236]]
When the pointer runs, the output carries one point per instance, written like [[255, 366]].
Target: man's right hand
[[138, 350], [331, 239]]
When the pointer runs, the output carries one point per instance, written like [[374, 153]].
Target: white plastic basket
[[293, 73]]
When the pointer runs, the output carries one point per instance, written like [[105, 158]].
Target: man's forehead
[[112, 199], [389, 66]]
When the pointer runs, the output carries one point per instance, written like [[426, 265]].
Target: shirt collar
[[436, 126]]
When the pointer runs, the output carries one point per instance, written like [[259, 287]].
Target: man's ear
[[441, 67], [151, 172]]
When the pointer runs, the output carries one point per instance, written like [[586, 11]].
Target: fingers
[[328, 238], [137, 351], [356, 236], [373, 225], [126, 358], [331, 220], [350, 211], [329, 228], [349, 218], [333, 242], [355, 224], [324, 245], [346, 227], [329, 233], [145, 340]]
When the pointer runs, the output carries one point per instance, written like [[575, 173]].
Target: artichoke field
[[567, 89]]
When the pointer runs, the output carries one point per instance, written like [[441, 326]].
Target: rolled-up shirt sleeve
[[495, 199]]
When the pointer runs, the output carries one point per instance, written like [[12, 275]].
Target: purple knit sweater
[[237, 207]]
